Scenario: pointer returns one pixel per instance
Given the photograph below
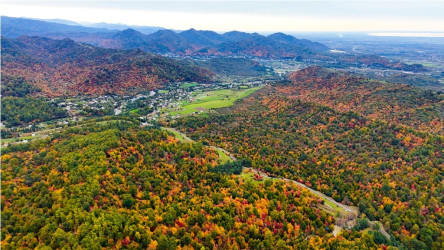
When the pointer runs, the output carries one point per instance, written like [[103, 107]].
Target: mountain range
[[189, 42], [197, 43]]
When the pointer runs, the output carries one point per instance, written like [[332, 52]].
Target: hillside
[[66, 67], [200, 43], [258, 47], [234, 66], [396, 103], [390, 172], [114, 185]]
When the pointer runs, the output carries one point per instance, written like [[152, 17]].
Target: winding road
[[345, 207], [348, 209]]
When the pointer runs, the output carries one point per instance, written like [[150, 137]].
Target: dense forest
[[18, 87], [234, 66], [391, 172], [66, 67], [115, 185], [122, 176], [397, 103], [24, 110]]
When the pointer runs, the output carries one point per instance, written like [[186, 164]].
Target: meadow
[[205, 101]]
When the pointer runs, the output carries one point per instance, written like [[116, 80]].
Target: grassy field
[[223, 157], [188, 85], [332, 205], [163, 91], [214, 99], [249, 177], [9, 140]]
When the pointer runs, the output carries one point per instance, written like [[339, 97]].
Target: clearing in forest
[[213, 99]]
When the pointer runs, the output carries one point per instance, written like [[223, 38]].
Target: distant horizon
[[375, 33], [260, 16]]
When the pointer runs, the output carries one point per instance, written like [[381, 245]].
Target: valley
[[138, 137]]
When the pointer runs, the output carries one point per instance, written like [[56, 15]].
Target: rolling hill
[[116, 185], [397, 103], [389, 171], [66, 67]]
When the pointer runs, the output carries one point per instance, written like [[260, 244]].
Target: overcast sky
[[260, 16]]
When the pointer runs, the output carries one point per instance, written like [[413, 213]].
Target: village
[[170, 102]]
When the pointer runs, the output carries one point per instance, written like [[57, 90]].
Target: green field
[[9, 140], [163, 91], [223, 157], [188, 85], [332, 205], [214, 99], [248, 176]]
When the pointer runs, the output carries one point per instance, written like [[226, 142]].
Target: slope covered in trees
[[396, 103], [117, 186], [203, 43], [392, 173], [65, 67], [20, 111], [235, 66], [16, 86]]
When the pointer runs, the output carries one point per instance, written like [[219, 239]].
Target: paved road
[[188, 139], [225, 151], [264, 175], [345, 207]]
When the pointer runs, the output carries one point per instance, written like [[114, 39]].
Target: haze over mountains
[[119, 61], [189, 42], [199, 43], [130, 137]]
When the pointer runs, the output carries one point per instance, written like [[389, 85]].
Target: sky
[[252, 15]]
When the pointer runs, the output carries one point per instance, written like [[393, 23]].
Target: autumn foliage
[[117, 186], [392, 173], [65, 67]]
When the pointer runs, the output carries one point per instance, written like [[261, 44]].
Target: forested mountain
[[202, 43], [162, 41], [258, 47], [234, 66], [396, 103], [284, 38], [66, 67], [391, 172], [118, 186]]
